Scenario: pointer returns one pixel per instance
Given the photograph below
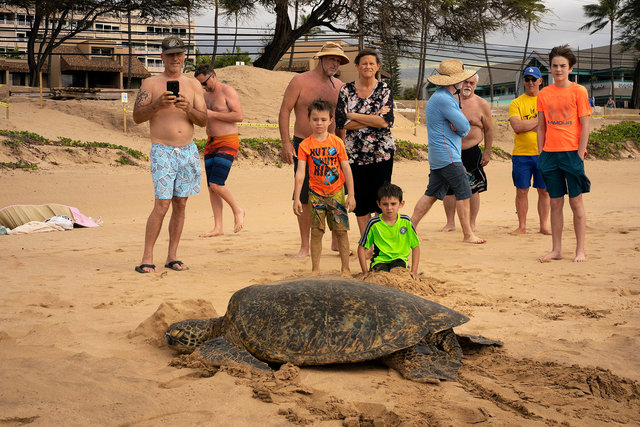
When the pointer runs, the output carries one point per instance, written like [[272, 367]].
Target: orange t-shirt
[[323, 160], [562, 108]]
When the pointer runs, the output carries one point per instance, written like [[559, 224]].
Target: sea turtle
[[328, 320]]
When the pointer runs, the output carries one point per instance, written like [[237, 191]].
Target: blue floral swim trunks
[[175, 170]]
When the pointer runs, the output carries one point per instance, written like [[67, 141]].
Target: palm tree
[[533, 11], [602, 13]]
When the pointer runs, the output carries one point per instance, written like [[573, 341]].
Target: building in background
[[95, 58], [591, 71]]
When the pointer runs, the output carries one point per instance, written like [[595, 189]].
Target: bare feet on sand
[[519, 231], [580, 257], [303, 253], [346, 274], [550, 256], [448, 228], [212, 233], [474, 240], [239, 220], [545, 231]]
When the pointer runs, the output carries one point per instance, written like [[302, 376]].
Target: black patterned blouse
[[367, 145]]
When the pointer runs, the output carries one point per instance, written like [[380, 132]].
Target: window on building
[[107, 28], [22, 37], [18, 79], [6, 18], [24, 19], [154, 47], [102, 52], [153, 62]]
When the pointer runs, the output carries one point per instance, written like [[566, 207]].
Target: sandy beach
[[81, 331]]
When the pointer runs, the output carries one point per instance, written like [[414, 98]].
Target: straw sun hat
[[333, 49], [450, 72]]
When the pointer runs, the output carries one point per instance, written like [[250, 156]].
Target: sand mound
[[400, 278], [153, 328]]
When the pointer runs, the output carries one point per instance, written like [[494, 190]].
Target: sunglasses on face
[[204, 83], [530, 79]]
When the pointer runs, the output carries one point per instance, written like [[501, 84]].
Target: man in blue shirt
[[446, 126]]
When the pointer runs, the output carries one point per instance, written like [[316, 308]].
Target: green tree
[[532, 14], [630, 38], [231, 57], [324, 13], [390, 65], [602, 13]]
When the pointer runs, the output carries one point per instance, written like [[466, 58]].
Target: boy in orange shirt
[[329, 170], [563, 133]]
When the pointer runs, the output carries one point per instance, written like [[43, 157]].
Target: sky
[[560, 26]]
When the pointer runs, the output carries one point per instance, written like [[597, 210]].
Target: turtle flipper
[[424, 363], [219, 352]]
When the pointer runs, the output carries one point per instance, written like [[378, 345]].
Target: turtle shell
[[314, 321]]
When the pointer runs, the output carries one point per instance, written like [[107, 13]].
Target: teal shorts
[[563, 173], [175, 170], [330, 207]]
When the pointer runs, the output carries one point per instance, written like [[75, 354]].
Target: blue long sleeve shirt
[[445, 145]]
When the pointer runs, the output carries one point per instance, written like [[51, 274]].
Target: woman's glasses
[[526, 79]]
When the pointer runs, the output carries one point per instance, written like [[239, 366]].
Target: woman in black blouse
[[365, 110]]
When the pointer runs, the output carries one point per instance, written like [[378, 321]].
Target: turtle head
[[187, 335]]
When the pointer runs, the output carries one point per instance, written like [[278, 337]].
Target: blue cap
[[532, 71]]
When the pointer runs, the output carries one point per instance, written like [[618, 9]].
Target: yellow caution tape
[[616, 115], [4, 104]]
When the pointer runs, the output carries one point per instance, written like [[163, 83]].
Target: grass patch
[[21, 164], [609, 141], [410, 150], [24, 137]]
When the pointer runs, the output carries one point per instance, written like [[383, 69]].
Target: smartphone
[[173, 86]]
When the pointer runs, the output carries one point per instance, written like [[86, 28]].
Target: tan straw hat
[[450, 72], [332, 49]]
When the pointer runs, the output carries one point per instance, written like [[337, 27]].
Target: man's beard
[[467, 92]]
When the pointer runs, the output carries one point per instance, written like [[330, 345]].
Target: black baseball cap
[[173, 44]]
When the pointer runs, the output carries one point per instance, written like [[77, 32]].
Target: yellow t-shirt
[[525, 143]]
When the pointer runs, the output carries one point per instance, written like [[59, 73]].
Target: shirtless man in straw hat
[[174, 158], [302, 90], [446, 126]]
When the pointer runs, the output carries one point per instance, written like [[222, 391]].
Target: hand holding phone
[[173, 86]]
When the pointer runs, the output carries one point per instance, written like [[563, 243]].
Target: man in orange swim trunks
[[223, 114]]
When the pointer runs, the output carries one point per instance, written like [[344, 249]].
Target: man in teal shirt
[[446, 126]]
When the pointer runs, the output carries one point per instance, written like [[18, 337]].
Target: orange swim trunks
[[225, 143]]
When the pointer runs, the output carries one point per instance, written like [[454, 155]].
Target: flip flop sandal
[[172, 266], [140, 268]]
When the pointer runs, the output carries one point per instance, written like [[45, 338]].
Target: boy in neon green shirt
[[392, 234]]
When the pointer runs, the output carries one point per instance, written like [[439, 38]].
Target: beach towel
[[35, 227], [17, 215]]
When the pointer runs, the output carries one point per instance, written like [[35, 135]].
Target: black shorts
[[454, 177], [387, 266], [304, 193], [471, 159], [367, 180]]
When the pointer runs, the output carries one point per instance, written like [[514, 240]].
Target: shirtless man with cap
[[174, 158], [302, 90], [478, 112]]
